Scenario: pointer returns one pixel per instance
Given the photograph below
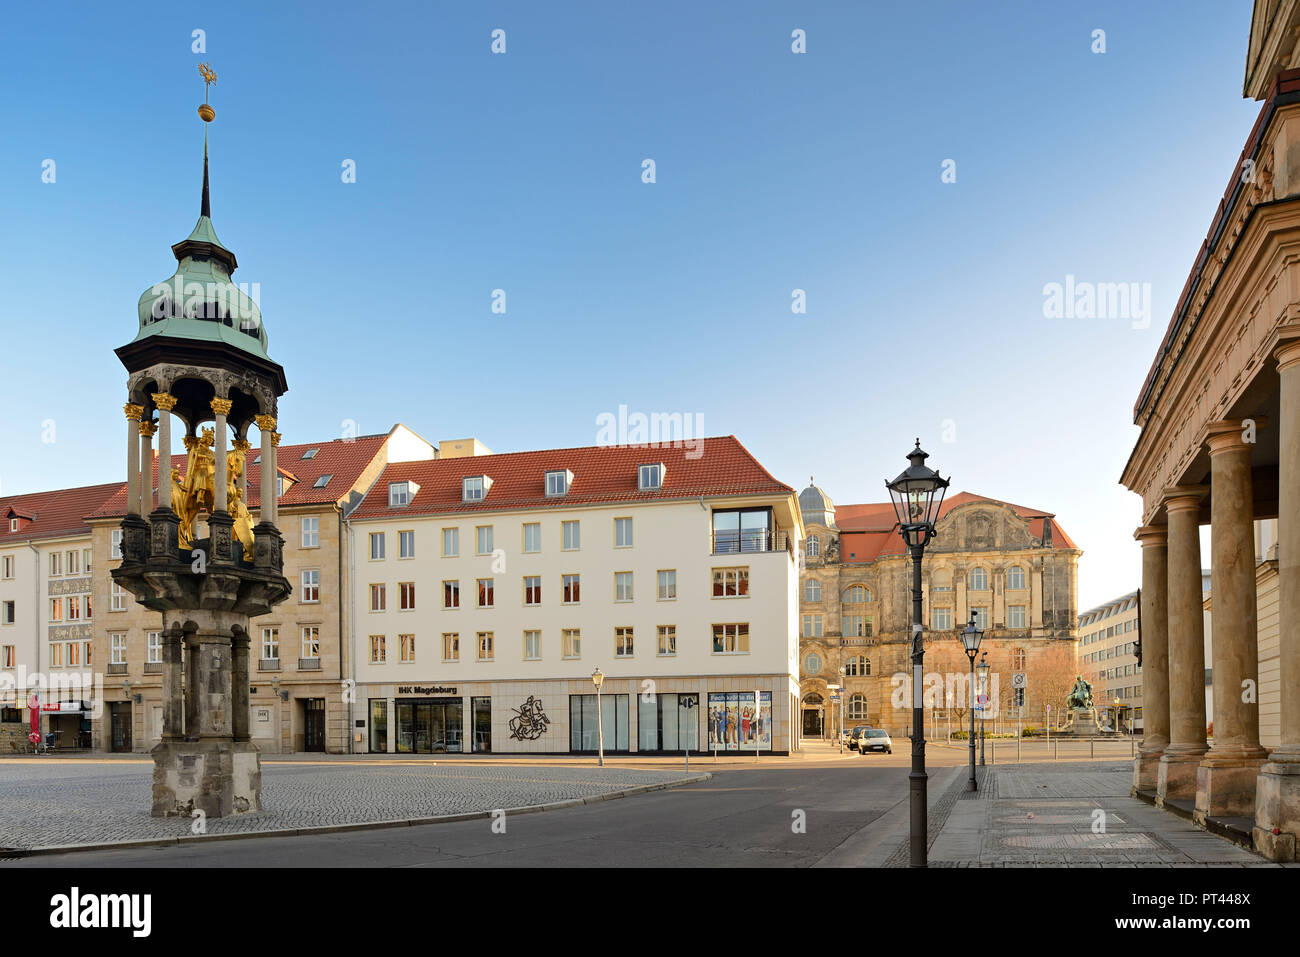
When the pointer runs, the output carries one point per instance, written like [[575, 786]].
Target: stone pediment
[[982, 526]]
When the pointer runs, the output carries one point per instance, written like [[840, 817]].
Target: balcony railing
[[752, 540]]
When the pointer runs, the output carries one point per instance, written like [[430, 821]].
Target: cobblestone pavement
[[60, 805], [1071, 815]]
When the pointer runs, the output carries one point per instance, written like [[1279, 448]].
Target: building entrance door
[[812, 722], [121, 726], [429, 725], [313, 728]]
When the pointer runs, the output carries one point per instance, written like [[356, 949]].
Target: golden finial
[[207, 113]]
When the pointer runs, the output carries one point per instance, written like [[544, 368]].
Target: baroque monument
[[194, 554]]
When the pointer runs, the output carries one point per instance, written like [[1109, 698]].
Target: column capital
[[241, 444], [220, 406], [133, 412], [1228, 435], [1287, 354], [148, 429], [1152, 536], [275, 439], [164, 400], [265, 423], [1184, 498]]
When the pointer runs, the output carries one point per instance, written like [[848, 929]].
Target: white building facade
[[487, 589]]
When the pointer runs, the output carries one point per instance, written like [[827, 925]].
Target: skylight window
[[310, 453], [323, 480]]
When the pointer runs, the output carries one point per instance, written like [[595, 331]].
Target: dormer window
[[558, 482], [474, 488], [282, 484], [13, 524], [650, 477], [400, 494], [310, 453]]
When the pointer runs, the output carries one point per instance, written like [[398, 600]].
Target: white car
[[875, 739]]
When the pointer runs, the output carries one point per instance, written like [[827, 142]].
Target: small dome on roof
[[816, 506]]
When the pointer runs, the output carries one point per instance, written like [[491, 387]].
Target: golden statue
[[196, 492]]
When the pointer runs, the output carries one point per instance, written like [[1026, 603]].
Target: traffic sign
[[982, 700], [1019, 679]]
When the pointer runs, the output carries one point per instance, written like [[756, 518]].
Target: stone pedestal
[[1277, 808], [1176, 777], [1225, 785], [217, 776]]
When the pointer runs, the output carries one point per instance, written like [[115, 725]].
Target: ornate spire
[[205, 207]]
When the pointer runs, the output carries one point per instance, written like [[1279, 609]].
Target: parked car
[[875, 739], [856, 735], [847, 733]]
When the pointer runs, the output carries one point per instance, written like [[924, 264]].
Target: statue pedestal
[[1084, 725], [218, 777]]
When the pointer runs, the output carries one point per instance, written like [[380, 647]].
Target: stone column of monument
[[1176, 778], [1277, 789], [147, 430], [165, 404], [266, 510], [133, 414], [173, 702], [1225, 782], [1155, 655]]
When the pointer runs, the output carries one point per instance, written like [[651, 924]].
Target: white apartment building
[[487, 590]]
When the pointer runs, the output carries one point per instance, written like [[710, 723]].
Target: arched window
[[979, 580], [857, 595], [858, 707], [1015, 577], [1018, 659], [852, 666], [812, 546], [812, 590]]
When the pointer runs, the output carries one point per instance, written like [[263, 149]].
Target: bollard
[[1056, 749]]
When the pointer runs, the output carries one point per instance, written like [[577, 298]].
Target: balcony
[[747, 541]]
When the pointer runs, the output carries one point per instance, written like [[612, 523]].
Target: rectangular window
[[7, 613], [483, 539], [471, 489], [74, 607], [650, 477], [532, 645], [941, 619], [450, 542], [623, 642], [86, 651], [557, 483], [731, 639], [731, 582], [74, 654], [572, 536], [812, 626], [667, 584], [310, 641], [378, 651], [532, 589], [406, 544], [73, 563], [115, 547], [981, 617], [376, 546], [117, 648], [153, 645], [311, 531], [622, 533], [532, 537], [399, 494], [56, 609], [571, 643], [407, 643], [378, 725], [572, 585], [1015, 616], [56, 564], [486, 592], [667, 640], [270, 644], [584, 730], [56, 655], [406, 596], [116, 597], [485, 649], [451, 594], [622, 586], [742, 530], [378, 598], [450, 646], [7, 567], [311, 585]]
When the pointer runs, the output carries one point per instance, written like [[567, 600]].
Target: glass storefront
[[733, 724], [584, 732], [379, 725], [481, 708], [668, 722], [429, 725]]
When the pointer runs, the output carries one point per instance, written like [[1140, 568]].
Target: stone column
[[266, 510], [173, 698], [1176, 779], [239, 703], [221, 408], [192, 687], [1155, 655], [165, 404], [1225, 782], [275, 468], [1277, 791], [147, 430], [133, 414]]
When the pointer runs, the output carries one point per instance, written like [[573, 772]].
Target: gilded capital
[[164, 400], [242, 445], [148, 429], [133, 412], [221, 406], [265, 423], [275, 438], [191, 442]]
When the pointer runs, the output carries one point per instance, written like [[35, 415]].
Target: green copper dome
[[200, 301]]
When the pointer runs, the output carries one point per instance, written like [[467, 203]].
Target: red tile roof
[[868, 532], [52, 514], [343, 460], [601, 474]]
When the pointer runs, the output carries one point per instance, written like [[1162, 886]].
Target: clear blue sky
[[522, 172]]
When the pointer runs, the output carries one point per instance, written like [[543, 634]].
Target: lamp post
[[598, 679], [843, 691], [917, 494], [983, 669], [970, 639]]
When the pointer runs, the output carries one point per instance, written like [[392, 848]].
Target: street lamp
[[984, 690], [598, 679], [917, 494], [970, 639], [843, 691]]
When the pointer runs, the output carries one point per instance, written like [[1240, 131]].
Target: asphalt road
[[742, 817]]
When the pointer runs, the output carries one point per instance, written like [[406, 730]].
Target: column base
[[1277, 807], [1146, 769], [217, 776], [1225, 784], [1176, 778]]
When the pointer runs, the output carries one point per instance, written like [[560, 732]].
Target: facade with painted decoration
[[488, 588]]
